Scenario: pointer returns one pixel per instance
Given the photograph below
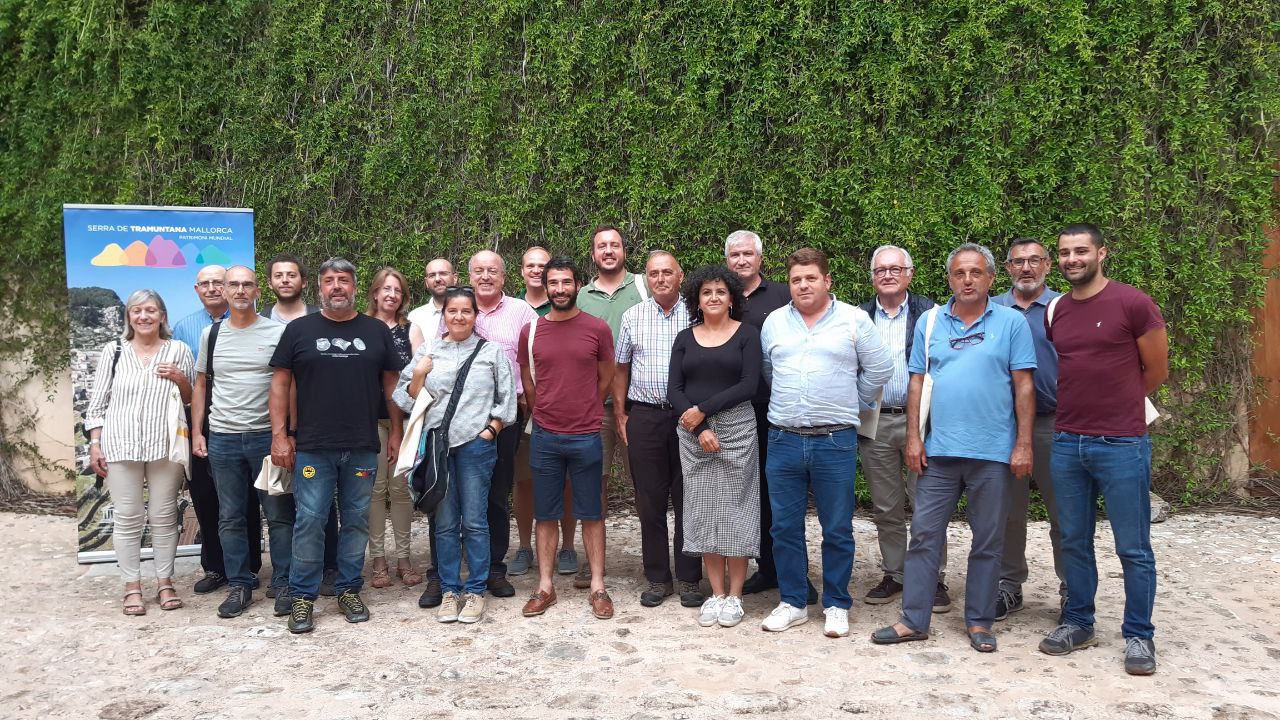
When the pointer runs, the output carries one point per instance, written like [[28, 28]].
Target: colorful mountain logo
[[159, 253]]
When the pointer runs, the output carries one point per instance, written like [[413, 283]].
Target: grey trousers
[[891, 485], [1013, 565], [986, 483], [126, 480]]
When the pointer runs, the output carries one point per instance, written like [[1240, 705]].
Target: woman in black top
[[387, 301], [715, 367]]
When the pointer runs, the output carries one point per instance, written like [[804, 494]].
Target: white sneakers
[[785, 616], [723, 609], [472, 608], [837, 625], [448, 610]]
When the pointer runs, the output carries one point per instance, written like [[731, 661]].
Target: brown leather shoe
[[601, 605], [540, 601]]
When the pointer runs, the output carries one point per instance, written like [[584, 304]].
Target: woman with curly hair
[[715, 367]]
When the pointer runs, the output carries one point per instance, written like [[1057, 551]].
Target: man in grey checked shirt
[[647, 425]]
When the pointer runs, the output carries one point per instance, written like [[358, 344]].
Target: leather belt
[[813, 430], [654, 406], [894, 410]]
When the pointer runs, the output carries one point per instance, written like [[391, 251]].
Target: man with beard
[[424, 321], [1113, 351], [500, 320], [287, 276], [647, 423], [566, 365], [204, 494], [1028, 264], [346, 367], [230, 395]]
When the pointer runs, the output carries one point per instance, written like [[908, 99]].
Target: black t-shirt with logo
[[338, 369]]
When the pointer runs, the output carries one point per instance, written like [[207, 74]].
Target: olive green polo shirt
[[609, 308]]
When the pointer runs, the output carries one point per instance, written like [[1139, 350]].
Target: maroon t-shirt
[[1100, 385], [565, 355]]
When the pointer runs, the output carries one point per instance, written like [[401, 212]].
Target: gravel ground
[[68, 651]]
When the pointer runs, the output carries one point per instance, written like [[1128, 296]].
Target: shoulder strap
[[928, 333], [458, 384], [115, 359], [641, 287], [208, 366], [1048, 313], [533, 330]]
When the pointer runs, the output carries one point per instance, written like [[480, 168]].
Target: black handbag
[[429, 481]]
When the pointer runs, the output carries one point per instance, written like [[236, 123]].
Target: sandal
[[380, 578], [982, 641], [134, 608], [889, 636], [409, 576], [172, 603]]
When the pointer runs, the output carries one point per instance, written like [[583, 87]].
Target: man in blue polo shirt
[[981, 358]]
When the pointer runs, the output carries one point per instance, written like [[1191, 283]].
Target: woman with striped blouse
[[128, 422]]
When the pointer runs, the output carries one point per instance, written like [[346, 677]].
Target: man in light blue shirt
[[981, 359], [822, 358], [1028, 264]]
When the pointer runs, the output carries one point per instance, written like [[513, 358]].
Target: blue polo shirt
[[1046, 378], [971, 414]]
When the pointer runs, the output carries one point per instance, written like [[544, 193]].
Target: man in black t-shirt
[[345, 367]]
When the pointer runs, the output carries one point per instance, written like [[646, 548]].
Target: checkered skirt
[[722, 490]]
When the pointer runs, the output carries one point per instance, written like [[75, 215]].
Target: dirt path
[[68, 652]]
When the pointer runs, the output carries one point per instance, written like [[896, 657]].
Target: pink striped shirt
[[503, 324]]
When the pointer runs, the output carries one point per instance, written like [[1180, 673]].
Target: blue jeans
[[1119, 468], [462, 520], [824, 465], [236, 459], [352, 473]]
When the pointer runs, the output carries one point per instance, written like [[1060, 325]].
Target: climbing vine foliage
[[392, 131]]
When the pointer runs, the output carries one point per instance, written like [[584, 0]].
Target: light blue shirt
[[893, 330], [971, 414], [1046, 355], [189, 329], [818, 374]]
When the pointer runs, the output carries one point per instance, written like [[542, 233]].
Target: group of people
[[733, 399]]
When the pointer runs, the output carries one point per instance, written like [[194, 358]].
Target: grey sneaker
[[1139, 656], [1065, 638], [326, 583], [238, 598], [566, 561], [1007, 601], [521, 563], [710, 612], [284, 602]]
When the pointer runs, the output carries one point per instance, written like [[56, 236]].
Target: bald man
[[204, 494], [424, 321], [500, 320]]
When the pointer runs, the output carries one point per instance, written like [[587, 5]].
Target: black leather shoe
[[941, 600], [284, 602], [758, 583], [499, 586], [433, 595], [885, 592], [237, 600], [210, 582]]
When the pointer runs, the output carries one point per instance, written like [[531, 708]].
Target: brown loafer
[[539, 602], [601, 605]]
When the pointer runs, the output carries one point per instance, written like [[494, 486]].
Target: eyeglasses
[[233, 285], [974, 339], [207, 284], [892, 271], [1032, 262], [461, 288]]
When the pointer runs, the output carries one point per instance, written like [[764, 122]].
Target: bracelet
[[95, 441]]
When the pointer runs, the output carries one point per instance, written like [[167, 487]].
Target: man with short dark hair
[[892, 484], [566, 362], [823, 358], [230, 401], [287, 276], [1113, 351], [1028, 265], [346, 367]]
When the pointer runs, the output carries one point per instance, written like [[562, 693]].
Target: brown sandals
[[134, 608], [173, 602]]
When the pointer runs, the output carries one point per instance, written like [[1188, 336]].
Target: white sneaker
[[730, 612], [784, 616], [837, 622], [448, 610], [710, 610], [472, 608]]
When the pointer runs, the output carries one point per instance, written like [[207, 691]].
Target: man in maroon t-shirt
[[566, 366], [1113, 350]]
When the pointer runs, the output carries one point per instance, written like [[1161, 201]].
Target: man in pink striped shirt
[[500, 320]]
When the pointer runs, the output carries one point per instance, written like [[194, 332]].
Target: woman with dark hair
[[386, 301], [715, 367], [139, 379], [486, 403]]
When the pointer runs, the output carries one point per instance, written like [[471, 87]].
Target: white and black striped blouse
[[131, 406]]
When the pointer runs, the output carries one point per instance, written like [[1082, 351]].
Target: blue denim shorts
[[551, 455]]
